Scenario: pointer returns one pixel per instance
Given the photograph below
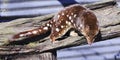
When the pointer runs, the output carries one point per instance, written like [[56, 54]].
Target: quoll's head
[[89, 26], [90, 34]]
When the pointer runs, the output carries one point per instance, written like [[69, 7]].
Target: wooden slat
[[108, 18]]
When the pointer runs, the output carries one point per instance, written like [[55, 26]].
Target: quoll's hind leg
[[72, 32], [58, 31]]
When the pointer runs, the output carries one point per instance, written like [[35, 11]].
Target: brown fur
[[73, 16]]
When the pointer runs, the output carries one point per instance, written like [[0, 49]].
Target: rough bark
[[108, 16]]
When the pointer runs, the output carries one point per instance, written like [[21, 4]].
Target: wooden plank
[[108, 18]]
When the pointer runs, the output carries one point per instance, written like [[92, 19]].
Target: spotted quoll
[[74, 16]]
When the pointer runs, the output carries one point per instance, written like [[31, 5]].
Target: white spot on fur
[[48, 24], [71, 13], [69, 23], [78, 27], [58, 16], [66, 22], [35, 32], [57, 29], [70, 17], [51, 22], [39, 30], [21, 35], [72, 21], [74, 24], [63, 14], [67, 15], [28, 33], [75, 15], [45, 28], [81, 25], [62, 26]]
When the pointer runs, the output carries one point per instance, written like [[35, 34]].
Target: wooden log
[[9, 29], [106, 12], [37, 56]]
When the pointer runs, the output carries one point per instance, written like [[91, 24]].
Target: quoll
[[74, 16]]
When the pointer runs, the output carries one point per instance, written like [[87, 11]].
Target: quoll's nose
[[89, 40]]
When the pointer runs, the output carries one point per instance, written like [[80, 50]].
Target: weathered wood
[[10, 28], [108, 17], [38, 56]]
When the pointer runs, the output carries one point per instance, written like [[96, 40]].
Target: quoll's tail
[[39, 31]]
